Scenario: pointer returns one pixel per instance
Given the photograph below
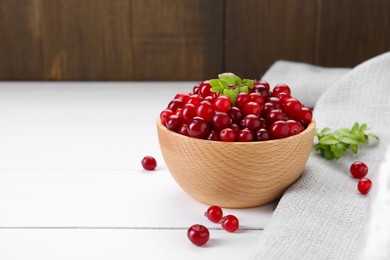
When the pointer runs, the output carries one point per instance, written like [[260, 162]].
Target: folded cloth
[[307, 82], [322, 216]]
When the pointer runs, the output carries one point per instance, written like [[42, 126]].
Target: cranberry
[[275, 101], [279, 129], [292, 107], [222, 104], [173, 122], [175, 104], [213, 136], [262, 135], [305, 116], [194, 99], [205, 89], [245, 135], [230, 223], [364, 185], [183, 96], [214, 214], [220, 120], [235, 114], [264, 83], [252, 122], [198, 234], [252, 108], [257, 98], [188, 111], [183, 129], [235, 127], [195, 90], [209, 99], [262, 90], [275, 115], [268, 107], [358, 170], [227, 135], [242, 99], [214, 95], [198, 127], [205, 110], [281, 88], [283, 96], [149, 163], [295, 127], [164, 115]]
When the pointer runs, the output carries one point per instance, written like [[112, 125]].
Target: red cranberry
[[279, 129], [205, 110], [252, 122], [262, 135], [188, 111], [305, 116], [262, 90], [252, 108], [364, 185], [242, 99], [175, 104], [234, 127], [358, 170], [245, 135], [275, 115], [292, 107], [265, 84], [183, 96], [294, 126], [183, 129], [205, 89], [198, 234], [257, 98], [275, 101], [149, 163], [235, 114], [213, 136], [194, 99], [214, 214], [279, 88], [222, 104], [220, 120], [227, 135], [198, 127], [164, 115], [173, 122], [230, 223]]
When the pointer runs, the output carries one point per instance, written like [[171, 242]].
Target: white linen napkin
[[307, 82], [322, 216]]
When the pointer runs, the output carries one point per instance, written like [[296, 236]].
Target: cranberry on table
[[364, 185], [230, 223], [214, 214], [149, 163], [358, 170], [198, 234]]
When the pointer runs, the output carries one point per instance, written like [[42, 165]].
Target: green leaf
[[329, 154], [250, 83], [232, 94], [342, 131], [325, 130], [218, 84], [363, 128], [230, 78], [328, 140], [354, 148], [243, 89], [373, 136], [348, 140]]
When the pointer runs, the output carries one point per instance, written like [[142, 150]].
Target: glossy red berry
[[279, 129], [358, 170], [222, 104], [198, 128], [194, 99], [235, 114], [252, 122], [305, 116], [275, 101], [220, 120], [262, 90], [264, 83], [242, 99], [262, 135], [205, 110], [195, 89], [214, 214], [149, 163], [175, 104], [292, 108], [257, 98], [183, 129], [245, 135], [227, 135], [213, 136], [281, 88], [364, 185], [230, 223], [173, 122], [188, 112], [164, 115], [275, 115], [198, 234], [235, 127], [205, 89], [183, 96], [294, 126], [252, 108]]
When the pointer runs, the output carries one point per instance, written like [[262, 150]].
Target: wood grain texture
[[110, 40], [235, 175], [260, 32], [352, 31]]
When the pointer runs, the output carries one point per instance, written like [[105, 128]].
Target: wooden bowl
[[235, 175]]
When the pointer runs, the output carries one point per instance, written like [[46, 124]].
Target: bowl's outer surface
[[235, 175]]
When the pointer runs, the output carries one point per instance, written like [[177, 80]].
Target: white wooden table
[[72, 185]]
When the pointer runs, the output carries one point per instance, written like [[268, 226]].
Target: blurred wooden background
[[183, 39]]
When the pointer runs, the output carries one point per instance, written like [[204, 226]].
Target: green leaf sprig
[[333, 145], [230, 85]]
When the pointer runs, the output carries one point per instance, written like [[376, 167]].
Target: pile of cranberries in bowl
[[231, 109]]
